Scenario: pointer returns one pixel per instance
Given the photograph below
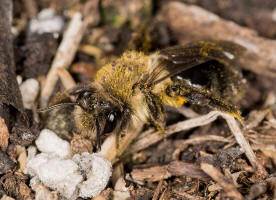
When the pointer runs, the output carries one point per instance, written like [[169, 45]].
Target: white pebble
[[29, 90], [98, 175], [84, 175], [46, 22], [56, 173], [49, 142]]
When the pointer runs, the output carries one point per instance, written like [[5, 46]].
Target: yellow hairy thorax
[[119, 76]]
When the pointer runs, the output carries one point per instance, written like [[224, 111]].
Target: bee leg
[[98, 136], [117, 142], [200, 96], [122, 131], [157, 112]]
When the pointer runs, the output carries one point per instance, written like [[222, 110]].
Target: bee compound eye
[[111, 122], [174, 88], [111, 117]]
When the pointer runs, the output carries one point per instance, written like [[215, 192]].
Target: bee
[[137, 87]]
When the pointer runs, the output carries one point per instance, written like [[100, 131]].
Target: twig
[[180, 126], [216, 175], [175, 168], [31, 8], [157, 190], [200, 139], [66, 79], [187, 112], [200, 121], [235, 129], [65, 54]]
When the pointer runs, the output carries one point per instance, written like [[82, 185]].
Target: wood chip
[[217, 176], [4, 135], [179, 168], [152, 174]]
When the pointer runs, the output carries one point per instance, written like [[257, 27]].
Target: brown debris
[[4, 135], [43, 193], [104, 195], [6, 163], [256, 190], [258, 15], [216, 175], [5, 197], [35, 56], [190, 23], [14, 185], [157, 190], [234, 127], [31, 8], [175, 168], [83, 68], [79, 145], [151, 174], [179, 168], [142, 193]]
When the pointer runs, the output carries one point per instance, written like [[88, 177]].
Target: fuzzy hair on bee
[[137, 87]]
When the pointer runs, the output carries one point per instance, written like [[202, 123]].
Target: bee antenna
[[56, 106]]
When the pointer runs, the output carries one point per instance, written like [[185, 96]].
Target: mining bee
[[137, 87]]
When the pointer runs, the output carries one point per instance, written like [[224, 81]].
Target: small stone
[[99, 171], [49, 142], [46, 22], [29, 90]]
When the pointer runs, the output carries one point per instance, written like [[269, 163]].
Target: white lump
[[47, 22], [95, 168], [29, 90], [49, 142], [85, 175]]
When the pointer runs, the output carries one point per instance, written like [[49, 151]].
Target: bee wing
[[181, 58]]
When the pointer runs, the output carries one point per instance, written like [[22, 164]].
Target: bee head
[[103, 114]]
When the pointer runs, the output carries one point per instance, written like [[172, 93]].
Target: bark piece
[[156, 173], [189, 23], [11, 106], [179, 168], [258, 15]]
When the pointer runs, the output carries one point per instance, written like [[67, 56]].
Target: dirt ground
[[204, 153]]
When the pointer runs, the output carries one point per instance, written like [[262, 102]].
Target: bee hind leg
[[203, 97]]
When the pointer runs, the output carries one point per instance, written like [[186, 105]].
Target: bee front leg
[[157, 112]]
